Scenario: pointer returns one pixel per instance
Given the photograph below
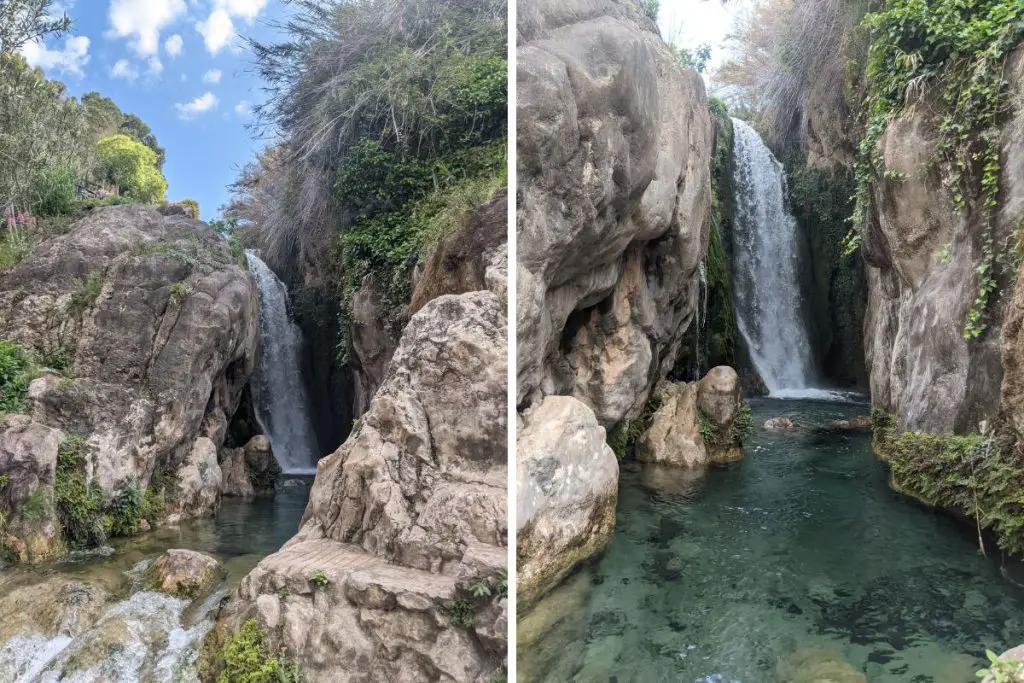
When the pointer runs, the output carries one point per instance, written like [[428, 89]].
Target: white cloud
[[212, 76], [125, 69], [219, 28], [173, 45], [142, 21], [199, 105], [243, 110], [71, 59], [156, 67]]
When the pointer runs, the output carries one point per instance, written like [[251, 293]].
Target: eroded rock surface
[[614, 196], [404, 520], [566, 490], [184, 573], [161, 329]]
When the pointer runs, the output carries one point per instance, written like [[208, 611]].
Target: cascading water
[[279, 395], [767, 290]]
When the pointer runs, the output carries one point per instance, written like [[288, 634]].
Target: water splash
[[767, 290], [279, 396]]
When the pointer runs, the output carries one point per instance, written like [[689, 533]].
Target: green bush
[[79, 505], [131, 167], [54, 191], [57, 358], [17, 370], [122, 516], [248, 658], [623, 437], [83, 299], [36, 510]]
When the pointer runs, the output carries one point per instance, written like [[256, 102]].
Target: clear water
[[800, 545], [279, 393], [768, 305], [161, 635]]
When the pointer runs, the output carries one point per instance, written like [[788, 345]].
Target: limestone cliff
[[614, 163]]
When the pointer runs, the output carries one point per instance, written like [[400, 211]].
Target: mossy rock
[[817, 666], [184, 573]]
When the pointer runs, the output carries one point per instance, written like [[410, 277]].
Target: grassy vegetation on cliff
[[17, 370], [394, 122], [977, 476], [623, 437], [247, 657]]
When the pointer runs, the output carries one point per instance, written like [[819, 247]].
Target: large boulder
[[566, 490], [161, 331], [184, 573], [249, 470], [673, 437], [614, 158], [28, 462], [406, 522]]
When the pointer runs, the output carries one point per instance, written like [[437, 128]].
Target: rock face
[[566, 490], [250, 470], [184, 573], [921, 368], [404, 519], [817, 666], [613, 210], [161, 329], [614, 160]]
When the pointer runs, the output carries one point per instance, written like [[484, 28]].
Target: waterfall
[[767, 289], [279, 395]]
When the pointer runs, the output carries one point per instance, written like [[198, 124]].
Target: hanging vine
[[960, 45]]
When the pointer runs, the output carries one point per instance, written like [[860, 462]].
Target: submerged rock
[[57, 606], [566, 490], [817, 666], [159, 329], [780, 423], [184, 573], [859, 422]]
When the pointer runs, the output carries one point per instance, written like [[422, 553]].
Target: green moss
[[249, 658], [623, 437], [17, 370], [978, 477], [713, 337], [834, 280], [37, 509]]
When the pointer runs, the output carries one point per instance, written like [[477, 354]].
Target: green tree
[[131, 167], [22, 21], [134, 126]]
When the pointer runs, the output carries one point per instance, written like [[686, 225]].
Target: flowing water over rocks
[[724, 576], [768, 304], [279, 394], [139, 634]]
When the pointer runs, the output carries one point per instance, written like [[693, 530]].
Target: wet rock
[[780, 424], [184, 573], [857, 423], [250, 470], [567, 487], [674, 437], [28, 461], [56, 606], [817, 666]]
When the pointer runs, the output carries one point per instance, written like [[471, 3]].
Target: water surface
[[801, 545]]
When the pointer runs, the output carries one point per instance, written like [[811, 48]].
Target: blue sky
[[181, 67]]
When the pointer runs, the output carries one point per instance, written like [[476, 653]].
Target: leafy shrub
[[248, 658], [122, 516], [622, 438], [192, 204], [15, 245], [179, 292], [462, 613], [16, 372], [79, 505], [36, 510], [319, 579], [58, 358], [54, 191]]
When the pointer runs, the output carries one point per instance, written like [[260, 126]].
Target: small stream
[[142, 635], [802, 545]]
